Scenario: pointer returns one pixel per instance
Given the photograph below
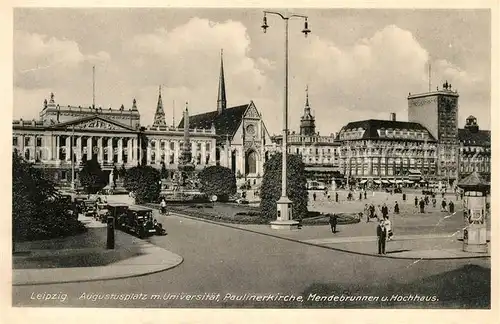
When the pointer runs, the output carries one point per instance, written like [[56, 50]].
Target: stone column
[[100, 154], [120, 150], [110, 150], [148, 153], [79, 149], [89, 148], [203, 153], [68, 148], [129, 150], [56, 145]]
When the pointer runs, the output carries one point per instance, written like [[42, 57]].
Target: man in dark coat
[[422, 206], [396, 208], [384, 210], [333, 223], [416, 201], [451, 207], [336, 197], [382, 236]]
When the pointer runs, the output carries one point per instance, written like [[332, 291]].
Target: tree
[[38, 210], [164, 172], [122, 172], [144, 182], [296, 186], [92, 178], [217, 180]]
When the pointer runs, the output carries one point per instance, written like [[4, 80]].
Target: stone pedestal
[[284, 216]]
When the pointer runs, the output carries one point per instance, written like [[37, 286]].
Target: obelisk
[[185, 164]]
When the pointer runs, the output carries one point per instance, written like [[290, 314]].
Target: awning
[[376, 181], [423, 181], [408, 181], [392, 181], [363, 181], [385, 181], [399, 181], [414, 171]]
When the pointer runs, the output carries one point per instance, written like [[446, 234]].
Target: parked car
[[118, 211], [138, 220]]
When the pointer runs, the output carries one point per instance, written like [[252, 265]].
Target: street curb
[[104, 277], [328, 247]]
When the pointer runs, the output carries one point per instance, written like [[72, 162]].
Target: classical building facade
[[113, 137]]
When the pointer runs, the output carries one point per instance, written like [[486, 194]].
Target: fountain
[[184, 178]]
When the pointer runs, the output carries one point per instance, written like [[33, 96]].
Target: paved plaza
[[221, 259]]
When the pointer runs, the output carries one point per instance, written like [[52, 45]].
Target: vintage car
[[89, 207], [118, 211], [138, 220]]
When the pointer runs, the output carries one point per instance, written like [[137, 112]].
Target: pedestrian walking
[[314, 196], [336, 197], [396, 208], [360, 195], [333, 223], [451, 207], [388, 228], [382, 236], [384, 210], [365, 194], [367, 212], [416, 202], [163, 206], [443, 205], [434, 202], [372, 211], [422, 206]]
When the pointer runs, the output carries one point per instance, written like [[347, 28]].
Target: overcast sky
[[359, 63]]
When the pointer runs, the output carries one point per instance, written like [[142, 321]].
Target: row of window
[[27, 141], [365, 171]]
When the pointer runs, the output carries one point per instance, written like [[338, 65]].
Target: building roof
[[477, 138], [371, 127], [226, 123], [473, 181]]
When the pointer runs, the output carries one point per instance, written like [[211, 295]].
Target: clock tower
[[438, 112]]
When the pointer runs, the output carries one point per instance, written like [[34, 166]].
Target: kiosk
[[476, 213]]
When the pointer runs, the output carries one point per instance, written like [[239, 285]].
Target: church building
[[243, 143]]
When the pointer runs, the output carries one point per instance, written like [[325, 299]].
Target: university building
[[235, 137]]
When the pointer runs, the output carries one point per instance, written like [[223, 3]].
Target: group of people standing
[[424, 201]]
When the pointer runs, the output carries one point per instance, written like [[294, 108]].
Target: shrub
[[38, 210], [92, 178], [144, 182], [296, 186], [217, 180]]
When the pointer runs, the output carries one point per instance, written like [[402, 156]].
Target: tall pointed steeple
[[307, 123], [159, 119], [221, 99]]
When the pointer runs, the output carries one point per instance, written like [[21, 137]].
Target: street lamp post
[[284, 205]]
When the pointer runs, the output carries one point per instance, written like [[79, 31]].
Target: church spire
[[159, 119], [307, 123], [221, 99]]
